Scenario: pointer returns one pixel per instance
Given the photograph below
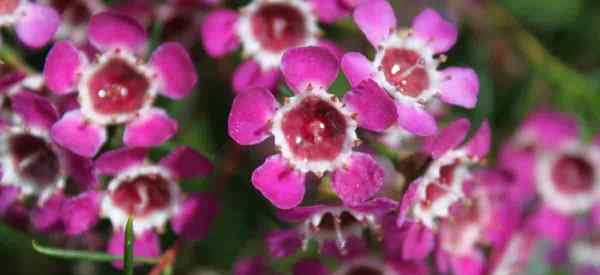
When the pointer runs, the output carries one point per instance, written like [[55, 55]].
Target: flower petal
[[552, 224], [63, 63], [46, 217], [8, 195], [279, 183], [375, 108], [418, 243], [35, 110], [408, 200], [108, 30], [146, 244], [415, 119], [283, 243], [186, 163], [460, 87], [81, 169], [549, 129], [332, 47], [310, 266], [218, 32], [468, 265], [73, 132], [80, 213], [9, 79], [250, 114], [249, 74], [376, 19], [115, 161], [330, 10], [357, 68], [447, 139], [359, 181], [431, 27], [480, 143], [150, 129], [309, 66], [175, 70], [195, 216], [38, 25]]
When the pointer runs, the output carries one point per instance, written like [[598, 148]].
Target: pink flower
[[313, 130], [117, 87], [35, 24], [405, 64]]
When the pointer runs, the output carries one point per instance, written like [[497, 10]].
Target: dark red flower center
[[118, 88], [143, 194], [442, 185], [314, 129], [345, 220], [34, 159], [8, 6], [364, 270], [573, 174], [405, 70], [278, 26]]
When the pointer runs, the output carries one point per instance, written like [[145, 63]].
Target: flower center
[[441, 186], [8, 6], [345, 220], [364, 270], [118, 88], [405, 70], [143, 194], [34, 159], [315, 129], [278, 26], [572, 174]]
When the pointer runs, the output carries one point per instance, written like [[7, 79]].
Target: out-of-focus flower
[[513, 257], [35, 24], [405, 64], [117, 87], [252, 266], [372, 266], [313, 130]]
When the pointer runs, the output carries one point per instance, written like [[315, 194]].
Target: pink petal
[[251, 112], [375, 108], [480, 143], [81, 170], [195, 216], [218, 32], [461, 87], [144, 245], [283, 243], [550, 129], [9, 79], [80, 213], [376, 19], [419, 242], [35, 110], [38, 25], [279, 183], [175, 70], [408, 200], [63, 63], [150, 129], [449, 138], [431, 27], [597, 141], [468, 265], [73, 132], [552, 224], [359, 181], [310, 266], [415, 120], [300, 213], [187, 163], [8, 195], [249, 74], [46, 217], [357, 68], [332, 47], [330, 10], [115, 161], [304, 66], [113, 30]]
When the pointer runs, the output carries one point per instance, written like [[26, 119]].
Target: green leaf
[[85, 255], [128, 255]]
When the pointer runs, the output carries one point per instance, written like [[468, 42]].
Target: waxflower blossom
[[406, 61], [265, 29], [117, 87], [313, 130], [35, 24]]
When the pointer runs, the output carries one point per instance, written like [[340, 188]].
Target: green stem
[[128, 255], [92, 256], [10, 56]]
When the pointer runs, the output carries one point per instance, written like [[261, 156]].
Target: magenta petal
[[63, 63], [357, 68], [550, 129], [8, 195], [186, 163], [447, 139], [35, 110], [330, 10], [375, 108], [195, 216], [332, 47], [144, 245], [431, 27], [299, 214], [73, 132], [175, 70], [309, 66], [359, 181], [552, 224], [460, 87], [80, 213], [408, 200], [415, 120], [279, 183], [418, 243], [218, 32], [115, 161], [283, 243], [249, 74], [597, 141], [38, 25], [81, 169], [9, 79], [468, 265], [595, 214], [480, 143], [251, 112], [46, 217], [310, 266], [376, 19], [150, 129], [112, 30], [252, 266]]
